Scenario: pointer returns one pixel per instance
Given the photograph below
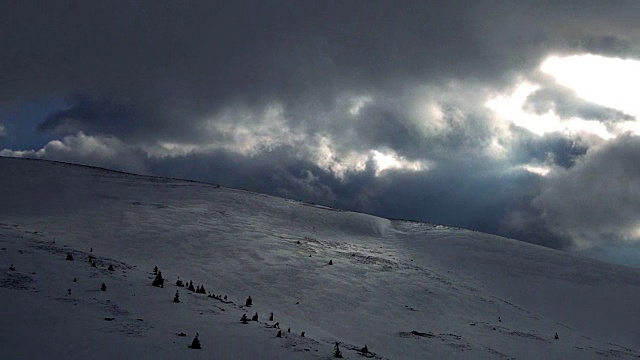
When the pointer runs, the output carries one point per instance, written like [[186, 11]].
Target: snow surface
[[408, 290]]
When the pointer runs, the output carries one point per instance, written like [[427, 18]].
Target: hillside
[[408, 290]]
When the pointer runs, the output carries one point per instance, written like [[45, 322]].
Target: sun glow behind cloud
[[611, 82], [509, 107]]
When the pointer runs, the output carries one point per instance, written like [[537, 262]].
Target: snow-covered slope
[[407, 290]]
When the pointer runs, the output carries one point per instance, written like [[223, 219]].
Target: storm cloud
[[597, 198], [373, 106]]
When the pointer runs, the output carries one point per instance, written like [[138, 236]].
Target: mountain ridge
[[407, 289]]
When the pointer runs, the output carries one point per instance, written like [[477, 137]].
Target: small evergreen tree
[[179, 283], [190, 287], [176, 299], [556, 337], [195, 344], [158, 281], [330, 262], [69, 257], [249, 302], [255, 317], [302, 334], [336, 351], [103, 287], [155, 270], [93, 264], [244, 319], [111, 268], [365, 350], [279, 334], [271, 317]]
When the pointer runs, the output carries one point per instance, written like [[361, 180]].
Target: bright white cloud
[[359, 102], [166, 149], [510, 107], [107, 152], [537, 169], [268, 130], [244, 132], [327, 156], [611, 82], [628, 126], [389, 160], [431, 118]]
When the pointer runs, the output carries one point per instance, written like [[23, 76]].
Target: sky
[[517, 118]]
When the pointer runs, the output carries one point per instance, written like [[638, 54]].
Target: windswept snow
[[408, 290]]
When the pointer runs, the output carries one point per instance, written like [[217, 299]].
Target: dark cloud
[[87, 114], [179, 62], [386, 126], [554, 148], [598, 199], [20, 124], [605, 44]]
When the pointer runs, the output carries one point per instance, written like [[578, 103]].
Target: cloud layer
[[376, 107]]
